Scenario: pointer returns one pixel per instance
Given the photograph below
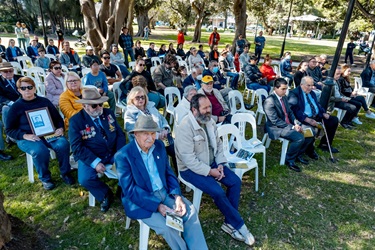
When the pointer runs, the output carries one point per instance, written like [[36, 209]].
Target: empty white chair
[[284, 148], [155, 61], [117, 93], [85, 71], [261, 94], [30, 164], [253, 144], [17, 68], [227, 131], [170, 93], [233, 96]]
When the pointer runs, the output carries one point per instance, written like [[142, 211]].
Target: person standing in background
[[60, 37], [180, 36], [20, 36], [214, 38], [260, 42], [125, 40], [349, 52], [26, 34]]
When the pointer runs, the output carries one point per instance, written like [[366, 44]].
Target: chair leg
[[283, 152], [144, 232], [30, 167], [252, 97], [197, 197], [91, 200], [260, 116], [127, 223], [256, 179], [264, 163]]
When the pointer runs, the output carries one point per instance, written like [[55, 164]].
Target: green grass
[[327, 206]]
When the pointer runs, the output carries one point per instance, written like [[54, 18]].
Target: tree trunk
[[239, 11], [198, 28], [5, 226], [143, 21]]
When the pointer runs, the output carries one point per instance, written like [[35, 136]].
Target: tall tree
[[104, 29], [199, 7], [240, 17], [182, 13], [142, 7]]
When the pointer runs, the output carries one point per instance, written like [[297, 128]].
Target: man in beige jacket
[[201, 162]]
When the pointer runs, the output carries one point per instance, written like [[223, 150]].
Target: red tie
[[285, 113]]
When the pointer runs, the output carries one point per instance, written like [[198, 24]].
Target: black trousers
[[331, 125], [351, 111], [297, 144]]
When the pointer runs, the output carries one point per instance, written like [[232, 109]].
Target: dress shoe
[[313, 155], [5, 157], [106, 203], [326, 149], [9, 140], [48, 185], [302, 160], [293, 166], [346, 126], [68, 179]]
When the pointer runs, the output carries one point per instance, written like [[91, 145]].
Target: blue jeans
[[234, 82], [128, 52], [255, 86], [88, 178], [258, 53], [2, 145], [193, 234], [226, 202], [39, 150]]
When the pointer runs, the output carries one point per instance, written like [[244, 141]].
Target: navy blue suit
[[297, 103], [31, 53], [138, 199], [52, 50], [88, 147], [10, 55]]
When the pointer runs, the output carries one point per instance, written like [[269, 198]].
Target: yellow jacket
[[68, 106]]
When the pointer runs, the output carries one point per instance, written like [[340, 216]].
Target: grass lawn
[[327, 206]]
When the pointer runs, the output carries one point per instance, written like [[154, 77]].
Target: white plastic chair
[[276, 69], [253, 144], [132, 65], [30, 164], [51, 57], [155, 61], [227, 131], [152, 69], [169, 93], [85, 71], [64, 69], [117, 93], [26, 61], [144, 232], [247, 92], [260, 94], [17, 67], [38, 73], [284, 148], [92, 197], [233, 96], [363, 91], [179, 59], [197, 197], [340, 113]]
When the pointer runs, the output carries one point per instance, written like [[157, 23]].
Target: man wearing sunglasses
[[8, 95], [86, 59], [95, 137]]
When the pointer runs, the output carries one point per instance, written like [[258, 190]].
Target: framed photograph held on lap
[[40, 121]]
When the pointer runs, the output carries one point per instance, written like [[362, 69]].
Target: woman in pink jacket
[[54, 82]]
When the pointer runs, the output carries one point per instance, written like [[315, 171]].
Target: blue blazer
[[188, 81], [297, 104], [87, 147], [10, 55], [137, 194], [31, 53]]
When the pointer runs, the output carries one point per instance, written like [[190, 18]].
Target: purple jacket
[[54, 88]]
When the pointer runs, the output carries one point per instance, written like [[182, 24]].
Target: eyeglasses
[[73, 81], [141, 65], [106, 57], [23, 88], [138, 98], [94, 106], [8, 71], [57, 68]]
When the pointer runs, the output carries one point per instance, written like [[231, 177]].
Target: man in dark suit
[[32, 50], [192, 79], [282, 123], [95, 137], [52, 49], [151, 190], [308, 110]]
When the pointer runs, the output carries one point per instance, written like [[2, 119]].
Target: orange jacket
[[267, 71], [180, 38], [211, 39]]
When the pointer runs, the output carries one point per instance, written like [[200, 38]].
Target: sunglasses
[[142, 97], [8, 71], [141, 65], [94, 106], [57, 68], [23, 88], [106, 57], [73, 81]]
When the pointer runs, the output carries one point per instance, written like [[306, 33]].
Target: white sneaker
[[356, 121], [371, 115], [235, 234], [249, 238]]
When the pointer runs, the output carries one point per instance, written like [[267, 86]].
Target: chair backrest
[[116, 91], [179, 59], [17, 67], [169, 93], [85, 71], [276, 69], [261, 95], [132, 65], [64, 68], [233, 96], [152, 69], [38, 73], [51, 57], [240, 120], [25, 60], [357, 83], [227, 133], [155, 61]]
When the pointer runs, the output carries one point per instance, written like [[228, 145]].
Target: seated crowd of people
[[148, 186]]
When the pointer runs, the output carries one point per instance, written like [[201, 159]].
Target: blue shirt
[[99, 81], [372, 80], [152, 169], [261, 40], [14, 51], [42, 62], [308, 111]]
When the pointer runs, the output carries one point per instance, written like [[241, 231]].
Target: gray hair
[[305, 79], [196, 68], [188, 89], [372, 62]]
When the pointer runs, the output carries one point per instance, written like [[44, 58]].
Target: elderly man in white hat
[[86, 59], [151, 190], [95, 137]]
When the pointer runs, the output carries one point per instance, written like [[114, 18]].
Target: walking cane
[[333, 160]]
